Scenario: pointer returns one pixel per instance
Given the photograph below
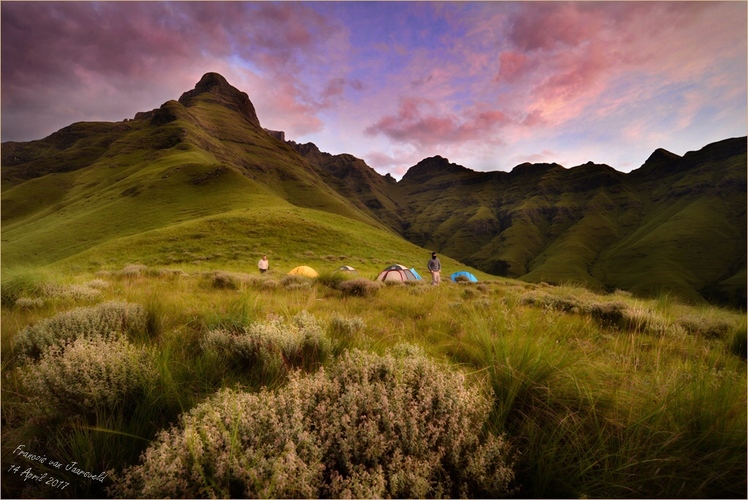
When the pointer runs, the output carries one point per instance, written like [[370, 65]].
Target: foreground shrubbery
[[590, 389], [272, 346], [372, 426], [110, 319], [87, 374]]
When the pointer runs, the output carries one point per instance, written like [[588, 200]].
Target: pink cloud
[[109, 60], [419, 122]]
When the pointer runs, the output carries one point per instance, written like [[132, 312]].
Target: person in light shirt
[[264, 264]]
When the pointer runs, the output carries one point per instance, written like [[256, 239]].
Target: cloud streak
[[489, 83]]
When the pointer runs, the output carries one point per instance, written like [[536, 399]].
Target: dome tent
[[463, 276], [346, 269], [396, 272], [304, 271]]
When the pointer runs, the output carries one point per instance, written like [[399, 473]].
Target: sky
[[488, 85]]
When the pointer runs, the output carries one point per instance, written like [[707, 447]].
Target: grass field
[[562, 392]]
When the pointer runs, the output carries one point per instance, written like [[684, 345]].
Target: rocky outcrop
[[215, 88]]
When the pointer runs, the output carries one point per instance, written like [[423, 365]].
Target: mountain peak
[[213, 87], [435, 165]]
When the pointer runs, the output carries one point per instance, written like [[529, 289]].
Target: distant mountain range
[[675, 225]]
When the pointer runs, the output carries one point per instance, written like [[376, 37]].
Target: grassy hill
[[140, 342], [197, 179], [676, 225]]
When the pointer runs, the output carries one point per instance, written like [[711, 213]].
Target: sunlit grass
[[647, 402]]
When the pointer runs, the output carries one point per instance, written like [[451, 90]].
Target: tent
[[346, 269], [413, 270], [396, 272], [304, 271], [463, 276]]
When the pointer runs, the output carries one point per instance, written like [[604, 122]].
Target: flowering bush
[[29, 303], [109, 319], [87, 374], [349, 327], [373, 426], [274, 345]]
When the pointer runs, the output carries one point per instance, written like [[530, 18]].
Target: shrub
[[644, 320], [225, 281], [359, 287], [87, 374], [331, 280], [274, 345], [705, 327], [547, 301], [269, 284], [74, 292], [373, 426], [347, 327], [230, 281], [105, 320], [98, 284], [606, 313], [133, 270], [29, 303], [291, 280]]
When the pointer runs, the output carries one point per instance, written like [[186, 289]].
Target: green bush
[[372, 427], [109, 319]]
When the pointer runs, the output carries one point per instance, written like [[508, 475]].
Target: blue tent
[[464, 275], [413, 270]]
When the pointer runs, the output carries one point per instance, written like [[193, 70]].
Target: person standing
[[435, 268], [264, 264]]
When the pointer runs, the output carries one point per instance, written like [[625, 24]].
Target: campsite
[[570, 374], [577, 168]]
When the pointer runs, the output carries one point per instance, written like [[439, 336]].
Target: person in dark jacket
[[435, 268]]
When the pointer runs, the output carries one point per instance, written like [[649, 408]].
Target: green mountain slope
[[675, 225], [178, 184], [119, 192]]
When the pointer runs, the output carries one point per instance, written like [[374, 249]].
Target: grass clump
[[372, 426], [105, 320], [17, 284]]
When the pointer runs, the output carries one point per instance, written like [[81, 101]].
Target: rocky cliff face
[[218, 90]]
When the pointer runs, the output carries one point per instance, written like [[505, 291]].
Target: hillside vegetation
[[677, 224], [231, 384], [144, 355]]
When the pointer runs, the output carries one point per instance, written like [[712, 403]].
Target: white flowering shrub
[[370, 427], [347, 326], [76, 292], [274, 345], [109, 319], [29, 303], [87, 374], [98, 284]]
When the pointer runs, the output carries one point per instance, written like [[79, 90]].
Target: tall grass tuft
[[738, 342], [22, 283], [372, 427]]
